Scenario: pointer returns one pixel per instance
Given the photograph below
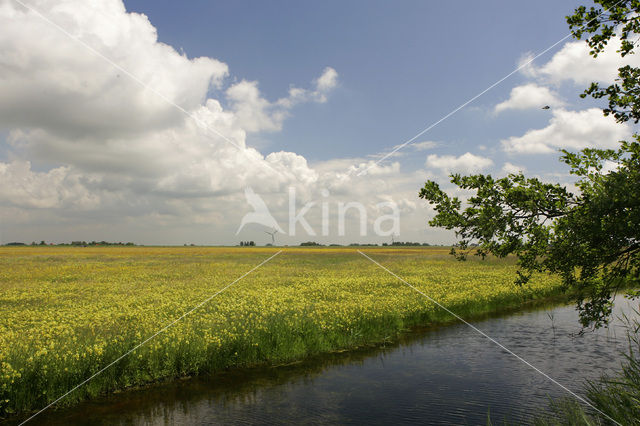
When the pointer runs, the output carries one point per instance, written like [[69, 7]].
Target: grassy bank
[[67, 312]]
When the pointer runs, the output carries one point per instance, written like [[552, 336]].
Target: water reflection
[[442, 375]]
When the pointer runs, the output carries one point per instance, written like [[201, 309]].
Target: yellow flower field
[[65, 313]]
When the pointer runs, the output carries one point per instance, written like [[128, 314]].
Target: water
[[444, 375]]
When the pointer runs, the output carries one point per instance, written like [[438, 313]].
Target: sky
[[212, 122]]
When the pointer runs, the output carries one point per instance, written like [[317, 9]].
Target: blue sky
[[402, 65], [188, 108]]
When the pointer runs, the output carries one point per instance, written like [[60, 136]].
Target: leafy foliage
[[591, 238], [613, 18]]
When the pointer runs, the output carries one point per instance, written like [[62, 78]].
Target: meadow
[[65, 313]]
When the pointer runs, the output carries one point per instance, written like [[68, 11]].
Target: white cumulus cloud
[[529, 96], [465, 164], [126, 134], [424, 145], [90, 148], [53, 82], [509, 168], [254, 113], [572, 130], [573, 63]]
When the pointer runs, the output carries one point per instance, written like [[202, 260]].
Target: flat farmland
[[67, 312]]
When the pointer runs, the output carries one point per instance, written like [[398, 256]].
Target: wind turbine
[[273, 235]]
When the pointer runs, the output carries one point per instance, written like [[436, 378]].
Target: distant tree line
[[96, 243], [247, 243], [73, 243]]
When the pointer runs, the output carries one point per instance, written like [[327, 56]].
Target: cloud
[[573, 63], [322, 86], [24, 187], [252, 112], [325, 83], [465, 164], [509, 168], [373, 168], [98, 131], [572, 130], [55, 83], [94, 155], [529, 96], [256, 114], [423, 146], [400, 150]]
